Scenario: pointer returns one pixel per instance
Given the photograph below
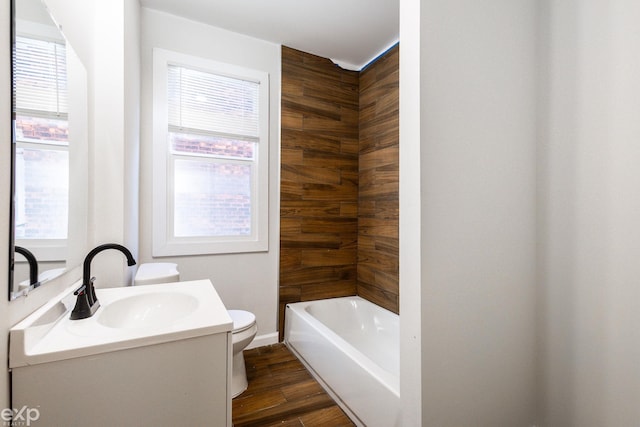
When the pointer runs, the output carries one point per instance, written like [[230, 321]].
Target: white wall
[[244, 281], [477, 215], [410, 266], [114, 168], [131, 130], [589, 210], [105, 36]]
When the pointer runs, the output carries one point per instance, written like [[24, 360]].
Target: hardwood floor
[[282, 392]]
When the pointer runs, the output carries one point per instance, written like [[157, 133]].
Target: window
[[41, 165], [210, 164]]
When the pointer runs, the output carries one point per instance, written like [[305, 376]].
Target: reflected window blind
[[212, 104], [40, 78]]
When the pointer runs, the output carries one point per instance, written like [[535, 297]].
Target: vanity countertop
[[49, 335]]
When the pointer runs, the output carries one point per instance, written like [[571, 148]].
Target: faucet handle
[[81, 290]]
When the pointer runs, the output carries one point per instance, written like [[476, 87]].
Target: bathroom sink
[[148, 310], [153, 355], [128, 317]]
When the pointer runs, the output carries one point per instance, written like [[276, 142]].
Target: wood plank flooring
[[283, 393]]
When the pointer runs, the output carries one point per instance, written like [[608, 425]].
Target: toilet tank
[[156, 272]]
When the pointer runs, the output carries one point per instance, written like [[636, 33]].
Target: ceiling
[[349, 32]]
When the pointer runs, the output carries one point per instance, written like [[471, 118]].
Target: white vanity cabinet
[[179, 377]]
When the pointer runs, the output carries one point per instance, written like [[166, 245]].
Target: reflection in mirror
[[33, 265], [49, 138]]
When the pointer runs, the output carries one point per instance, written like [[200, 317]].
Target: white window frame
[[164, 242]]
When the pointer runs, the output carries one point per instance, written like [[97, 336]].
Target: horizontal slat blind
[[40, 77], [212, 104]]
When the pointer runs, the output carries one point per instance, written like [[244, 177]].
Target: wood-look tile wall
[[378, 182], [339, 180], [319, 179]]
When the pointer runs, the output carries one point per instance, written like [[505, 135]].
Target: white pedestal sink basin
[[156, 355]]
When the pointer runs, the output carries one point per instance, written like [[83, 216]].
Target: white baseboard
[[263, 340]]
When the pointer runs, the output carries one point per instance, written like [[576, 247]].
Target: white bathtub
[[352, 348]]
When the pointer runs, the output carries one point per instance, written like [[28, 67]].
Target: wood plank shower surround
[[378, 204], [339, 180]]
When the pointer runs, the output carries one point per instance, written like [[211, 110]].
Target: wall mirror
[[48, 150]]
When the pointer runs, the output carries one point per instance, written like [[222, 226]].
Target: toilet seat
[[242, 320]]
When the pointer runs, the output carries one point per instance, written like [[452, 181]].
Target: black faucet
[[87, 302], [33, 265]]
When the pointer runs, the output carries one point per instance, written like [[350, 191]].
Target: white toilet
[[156, 272], [244, 322], [244, 331]]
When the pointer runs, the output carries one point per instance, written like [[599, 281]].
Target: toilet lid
[[241, 319], [156, 270]]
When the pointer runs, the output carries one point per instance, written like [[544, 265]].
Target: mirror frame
[[12, 11]]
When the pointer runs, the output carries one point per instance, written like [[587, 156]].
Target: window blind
[[201, 102], [40, 78]]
